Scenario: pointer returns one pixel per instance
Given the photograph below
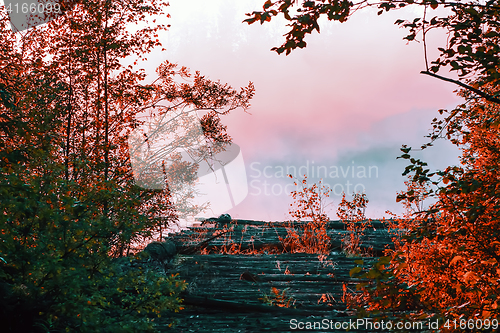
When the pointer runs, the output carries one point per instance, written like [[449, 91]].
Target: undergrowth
[[306, 232]]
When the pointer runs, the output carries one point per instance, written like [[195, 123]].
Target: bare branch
[[463, 85]]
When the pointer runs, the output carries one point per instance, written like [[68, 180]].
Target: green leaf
[[462, 49], [384, 260], [491, 34], [373, 274], [404, 149], [354, 271]]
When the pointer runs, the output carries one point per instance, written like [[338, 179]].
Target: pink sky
[[352, 97]]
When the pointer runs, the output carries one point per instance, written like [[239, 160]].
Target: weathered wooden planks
[[218, 300], [248, 235]]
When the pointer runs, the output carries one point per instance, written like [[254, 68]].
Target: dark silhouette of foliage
[[472, 27]]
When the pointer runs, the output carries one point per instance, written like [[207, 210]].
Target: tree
[[446, 262], [69, 203], [168, 149], [457, 229]]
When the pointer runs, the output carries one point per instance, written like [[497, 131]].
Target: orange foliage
[[278, 298], [311, 236], [352, 214], [446, 260]]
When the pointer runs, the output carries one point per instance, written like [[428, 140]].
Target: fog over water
[[338, 110]]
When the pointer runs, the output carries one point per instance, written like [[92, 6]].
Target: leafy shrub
[[278, 298], [58, 275], [445, 263], [308, 207], [352, 214]]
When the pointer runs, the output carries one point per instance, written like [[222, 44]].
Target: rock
[[224, 218], [247, 276], [162, 252]]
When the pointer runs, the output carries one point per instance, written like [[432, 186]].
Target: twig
[[461, 84], [193, 249], [423, 37]]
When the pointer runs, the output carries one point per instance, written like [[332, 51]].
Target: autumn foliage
[[445, 263], [307, 230], [352, 214]]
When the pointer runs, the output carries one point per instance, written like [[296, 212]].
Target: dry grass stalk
[[306, 233], [352, 214]]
